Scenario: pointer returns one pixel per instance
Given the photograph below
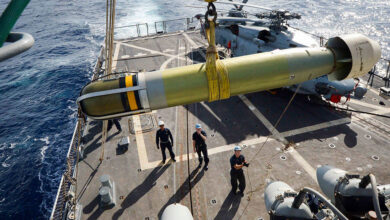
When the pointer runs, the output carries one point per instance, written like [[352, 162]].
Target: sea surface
[[38, 88]]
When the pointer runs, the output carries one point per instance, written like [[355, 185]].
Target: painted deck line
[[152, 51], [194, 45], [357, 102], [316, 127], [298, 158], [139, 137], [211, 151], [211, 112], [116, 54]]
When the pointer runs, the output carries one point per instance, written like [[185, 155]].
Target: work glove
[[158, 147], [246, 164]]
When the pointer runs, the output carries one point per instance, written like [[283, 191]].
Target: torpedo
[[343, 57]]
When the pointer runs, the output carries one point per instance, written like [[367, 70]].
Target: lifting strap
[[217, 74]]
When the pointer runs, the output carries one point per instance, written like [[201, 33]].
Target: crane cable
[[268, 164], [109, 45], [217, 74]]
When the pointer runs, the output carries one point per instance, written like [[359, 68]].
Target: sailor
[[237, 161], [117, 124], [164, 140], [199, 143]]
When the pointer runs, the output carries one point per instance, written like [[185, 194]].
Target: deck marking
[[366, 116], [168, 50], [380, 111], [165, 64], [116, 54], [139, 137], [262, 118], [151, 51], [357, 102], [303, 163], [192, 42], [298, 158], [140, 54], [176, 138], [211, 112], [214, 150], [316, 127], [255, 141], [194, 45], [125, 56], [157, 36]]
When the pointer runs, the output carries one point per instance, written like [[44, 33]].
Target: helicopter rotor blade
[[222, 10], [243, 4], [195, 6], [235, 6]]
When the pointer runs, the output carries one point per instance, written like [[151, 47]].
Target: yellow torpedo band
[[130, 95], [130, 100]]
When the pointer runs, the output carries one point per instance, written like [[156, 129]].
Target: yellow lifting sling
[[217, 74]]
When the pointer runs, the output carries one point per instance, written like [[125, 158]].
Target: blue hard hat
[[237, 148], [198, 126]]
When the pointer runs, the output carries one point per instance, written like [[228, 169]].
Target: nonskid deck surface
[[144, 187]]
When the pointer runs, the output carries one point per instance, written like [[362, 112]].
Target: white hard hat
[[160, 123], [237, 148]]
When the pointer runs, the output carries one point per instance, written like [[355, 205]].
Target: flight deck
[[309, 135]]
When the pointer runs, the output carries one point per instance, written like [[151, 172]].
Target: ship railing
[[382, 66], [155, 28], [62, 204]]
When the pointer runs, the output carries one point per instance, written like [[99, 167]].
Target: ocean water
[[38, 88]]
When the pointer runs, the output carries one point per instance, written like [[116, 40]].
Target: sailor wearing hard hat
[[237, 161], [199, 143], [164, 140]]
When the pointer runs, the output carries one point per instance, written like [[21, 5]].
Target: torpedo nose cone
[[356, 52]]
